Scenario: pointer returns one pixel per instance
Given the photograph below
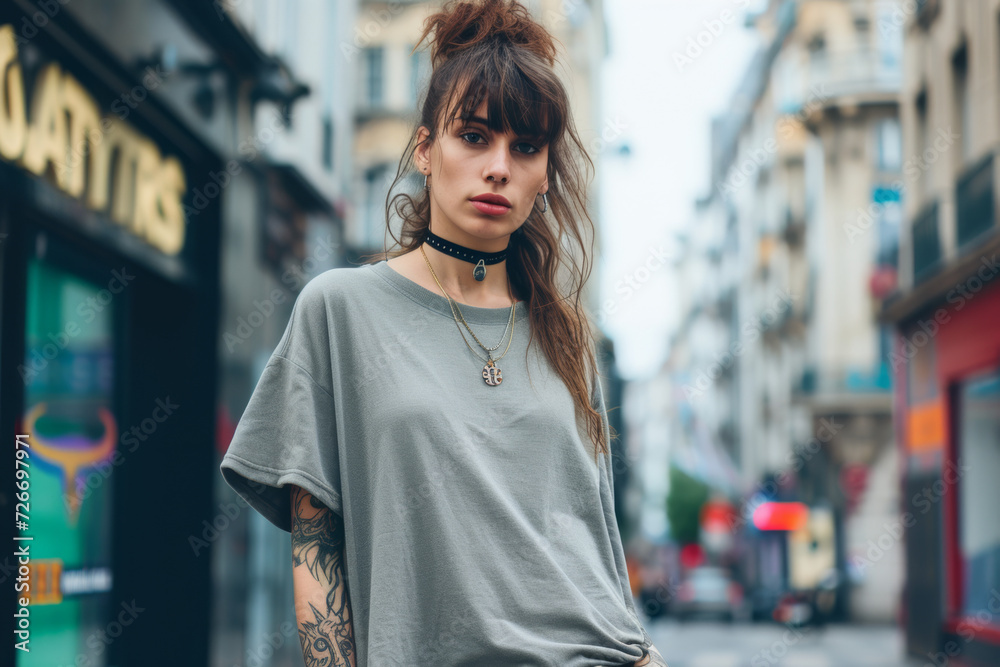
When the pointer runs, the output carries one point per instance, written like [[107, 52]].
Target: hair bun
[[462, 24]]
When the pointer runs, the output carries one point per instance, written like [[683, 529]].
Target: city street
[[715, 644]]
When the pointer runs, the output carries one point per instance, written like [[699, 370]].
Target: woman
[[447, 503]]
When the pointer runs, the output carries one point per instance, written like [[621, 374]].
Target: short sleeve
[[288, 431], [607, 499]]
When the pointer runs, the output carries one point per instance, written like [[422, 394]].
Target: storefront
[[947, 365], [108, 348]]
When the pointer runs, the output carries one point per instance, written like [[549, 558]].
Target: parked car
[[708, 591]]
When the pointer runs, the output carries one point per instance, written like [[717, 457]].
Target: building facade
[[164, 194], [946, 354]]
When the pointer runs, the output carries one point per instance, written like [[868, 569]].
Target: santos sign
[[102, 161]]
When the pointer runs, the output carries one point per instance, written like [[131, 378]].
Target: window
[[377, 182], [888, 144], [977, 470], [374, 75], [888, 223], [962, 98], [924, 156], [419, 74], [327, 147], [70, 405]]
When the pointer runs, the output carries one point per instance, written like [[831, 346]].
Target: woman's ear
[[421, 155]]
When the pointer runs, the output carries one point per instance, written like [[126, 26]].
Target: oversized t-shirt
[[479, 528]]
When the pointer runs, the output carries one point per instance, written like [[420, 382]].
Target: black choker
[[477, 257]]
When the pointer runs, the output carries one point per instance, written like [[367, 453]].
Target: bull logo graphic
[[74, 455]]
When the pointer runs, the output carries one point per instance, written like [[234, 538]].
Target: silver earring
[[545, 200], [425, 183]]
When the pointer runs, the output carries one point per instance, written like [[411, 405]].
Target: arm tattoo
[[318, 543]]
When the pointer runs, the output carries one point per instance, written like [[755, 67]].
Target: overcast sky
[[659, 93]]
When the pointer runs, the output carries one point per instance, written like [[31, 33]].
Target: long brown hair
[[493, 50]]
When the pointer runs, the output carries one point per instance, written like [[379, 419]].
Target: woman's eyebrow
[[485, 123], [474, 119]]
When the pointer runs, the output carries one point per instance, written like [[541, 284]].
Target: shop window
[[71, 423], [979, 494]]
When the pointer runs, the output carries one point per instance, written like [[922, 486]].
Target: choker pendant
[[479, 273], [491, 373]]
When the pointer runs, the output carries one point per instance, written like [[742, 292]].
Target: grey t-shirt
[[479, 528]]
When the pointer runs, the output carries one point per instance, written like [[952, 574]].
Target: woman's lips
[[490, 209]]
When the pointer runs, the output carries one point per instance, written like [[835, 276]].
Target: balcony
[[863, 72], [848, 388], [974, 202], [926, 242]]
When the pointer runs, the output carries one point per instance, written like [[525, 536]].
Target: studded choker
[[477, 257]]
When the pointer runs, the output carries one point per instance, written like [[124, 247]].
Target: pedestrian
[[431, 427]]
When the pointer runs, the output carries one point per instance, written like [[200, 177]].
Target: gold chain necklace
[[491, 372]]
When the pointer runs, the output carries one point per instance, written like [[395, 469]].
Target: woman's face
[[459, 164]]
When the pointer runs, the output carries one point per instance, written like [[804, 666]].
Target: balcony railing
[[926, 242], [974, 202], [858, 71], [875, 379]]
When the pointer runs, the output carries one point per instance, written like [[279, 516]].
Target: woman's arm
[[322, 603], [651, 659]]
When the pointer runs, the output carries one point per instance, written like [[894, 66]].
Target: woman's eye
[[530, 150]]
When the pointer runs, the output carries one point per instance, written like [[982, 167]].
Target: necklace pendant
[[492, 374], [480, 271]]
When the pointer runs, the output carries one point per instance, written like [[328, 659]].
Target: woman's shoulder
[[338, 286]]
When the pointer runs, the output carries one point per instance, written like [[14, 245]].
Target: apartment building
[[946, 313]]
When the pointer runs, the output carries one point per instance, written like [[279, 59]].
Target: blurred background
[[795, 294]]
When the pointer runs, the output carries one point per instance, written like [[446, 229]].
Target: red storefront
[[946, 368]]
